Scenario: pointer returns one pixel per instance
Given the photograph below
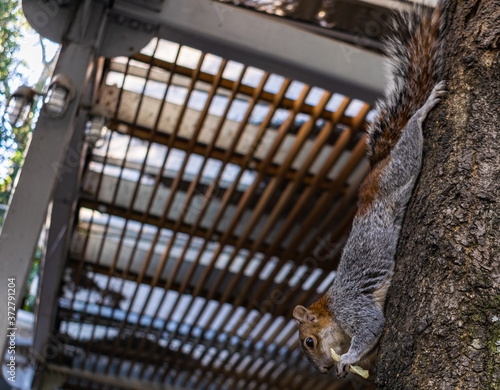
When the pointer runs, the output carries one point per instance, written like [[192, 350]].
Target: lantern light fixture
[[18, 106], [56, 101], [59, 94], [95, 130]]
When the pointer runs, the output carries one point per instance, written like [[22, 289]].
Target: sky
[[31, 53]]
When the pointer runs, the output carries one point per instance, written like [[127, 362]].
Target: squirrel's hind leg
[[406, 157], [434, 98]]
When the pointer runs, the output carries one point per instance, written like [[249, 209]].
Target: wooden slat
[[244, 204], [164, 216], [247, 158], [129, 210], [264, 199], [221, 210], [201, 149], [244, 89], [277, 268], [286, 201], [190, 190], [80, 269]]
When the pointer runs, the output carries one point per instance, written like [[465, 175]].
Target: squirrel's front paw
[[343, 365], [439, 91]]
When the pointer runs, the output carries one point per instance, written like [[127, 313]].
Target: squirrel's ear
[[301, 314]]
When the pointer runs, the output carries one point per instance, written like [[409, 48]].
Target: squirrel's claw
[[343, 366], [439, 91]]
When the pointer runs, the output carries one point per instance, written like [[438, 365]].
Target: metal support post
[[57, 246], [42, 166]]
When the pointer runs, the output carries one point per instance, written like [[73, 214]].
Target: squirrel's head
[[318, 332]]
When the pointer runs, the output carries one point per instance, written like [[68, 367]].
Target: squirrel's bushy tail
[[415, 58]]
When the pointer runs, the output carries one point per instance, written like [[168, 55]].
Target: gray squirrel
[[350, 317]]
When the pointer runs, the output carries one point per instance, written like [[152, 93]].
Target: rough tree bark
[[443, 309]]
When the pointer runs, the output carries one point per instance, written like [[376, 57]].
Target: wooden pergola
[[219, 199], [203, 222]]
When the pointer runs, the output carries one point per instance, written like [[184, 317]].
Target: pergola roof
[[219, 200]]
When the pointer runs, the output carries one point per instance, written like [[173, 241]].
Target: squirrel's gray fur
[[355, 301]]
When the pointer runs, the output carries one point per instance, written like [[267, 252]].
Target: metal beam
[[42, 166], [268, 43], [57, 243]]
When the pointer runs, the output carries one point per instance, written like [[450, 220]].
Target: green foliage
[[29, 300], [10, 30], [11, 141], [14, 142]]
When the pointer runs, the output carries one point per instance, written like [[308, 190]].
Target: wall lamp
[[95, 130], [18, 107], [58, 96], [56, 101]]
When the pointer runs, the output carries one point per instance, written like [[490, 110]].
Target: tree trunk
[[443, 309]]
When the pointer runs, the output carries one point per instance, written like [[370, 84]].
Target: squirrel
[[350, 317]]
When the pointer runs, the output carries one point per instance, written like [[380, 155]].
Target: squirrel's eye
[[310, 343]]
